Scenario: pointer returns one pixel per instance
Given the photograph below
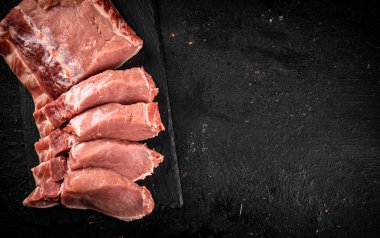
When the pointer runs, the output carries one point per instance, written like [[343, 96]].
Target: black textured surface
[[276, 121]]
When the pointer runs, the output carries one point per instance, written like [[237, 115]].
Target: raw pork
[[132, 160], [44, 196], [52, 45], [134, 122], [125, 87], [107, 192], [52, 170], [101, 190]]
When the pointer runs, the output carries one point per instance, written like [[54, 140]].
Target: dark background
[[276, 117]]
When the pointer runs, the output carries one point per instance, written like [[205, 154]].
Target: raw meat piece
[[134, 122], [125, 87], [101, 190], [52, 45], [44, 196], [107, 192], [53, 145], [52, 170], [132, 160]]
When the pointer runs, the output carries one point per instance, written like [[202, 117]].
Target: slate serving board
[[165, 182]]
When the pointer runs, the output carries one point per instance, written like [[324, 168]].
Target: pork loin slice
[[125, 87], [107, 192], [50, 171], [52, 45], [132, 160], [44, 196], [97, 189], [134, 122]]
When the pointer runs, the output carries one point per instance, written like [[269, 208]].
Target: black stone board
[[164, 183]]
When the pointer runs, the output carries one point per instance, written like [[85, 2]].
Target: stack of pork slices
[[90, 117]]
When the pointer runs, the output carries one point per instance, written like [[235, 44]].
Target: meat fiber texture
[[101, 190], [50, 171], [125, 87], [132, 160], [44, 196], [52, 45], [134, 122]]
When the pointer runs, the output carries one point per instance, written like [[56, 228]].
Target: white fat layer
[[147, 122], [68, 100], [71, 140], [141, 71], [145, 175]]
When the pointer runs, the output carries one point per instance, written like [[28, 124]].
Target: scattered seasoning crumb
[[241, 209], [94, 222], [270, 20], [280, 18], [173, 34], [204, 40], [190, 42]]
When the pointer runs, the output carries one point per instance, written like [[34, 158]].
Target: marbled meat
[[52, 45]]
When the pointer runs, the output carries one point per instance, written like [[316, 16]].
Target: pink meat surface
[[134, 122], [53, 145], [50, 171], [52, 45], [107, 192], [132, 160], [44, 196], [125, 87]]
